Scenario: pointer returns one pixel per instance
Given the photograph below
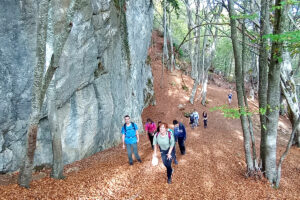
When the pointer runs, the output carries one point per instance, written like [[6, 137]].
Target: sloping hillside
[[213, 167]]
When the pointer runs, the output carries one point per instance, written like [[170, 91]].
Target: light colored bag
[[154, 161]]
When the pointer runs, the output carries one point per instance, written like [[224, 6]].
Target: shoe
[[169, 180], [176, 162], [140, 160], [130, 163]]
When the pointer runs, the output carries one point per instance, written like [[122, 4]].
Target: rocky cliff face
[[102, 76]]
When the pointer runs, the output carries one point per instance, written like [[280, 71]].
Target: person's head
[[175, 123], [149, 120], [163, 127], [194, 109], [204, 113], [158, 123], [127, 119]]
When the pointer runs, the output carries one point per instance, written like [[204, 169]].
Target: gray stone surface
[[95, 85]]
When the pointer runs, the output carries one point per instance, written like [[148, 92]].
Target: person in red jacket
[[150, 128]]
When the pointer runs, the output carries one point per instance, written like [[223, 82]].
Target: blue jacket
[[180, 132]]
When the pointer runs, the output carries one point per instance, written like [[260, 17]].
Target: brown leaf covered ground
[[213, 167]]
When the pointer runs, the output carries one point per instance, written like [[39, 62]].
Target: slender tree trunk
[[278, 175], [255, 165], [40, 84], [172, 63], [27, 165], [263, 74], [196, 56], [273, 98], [165, 43], [239, 88], [57, 168]]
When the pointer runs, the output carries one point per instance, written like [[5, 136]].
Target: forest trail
[[213, 167]]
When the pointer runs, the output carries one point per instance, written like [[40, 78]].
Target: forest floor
[[213, 167]]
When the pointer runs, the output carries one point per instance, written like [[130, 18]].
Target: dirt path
[[213, 167]]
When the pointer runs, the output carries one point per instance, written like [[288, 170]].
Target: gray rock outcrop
[[96, 85]]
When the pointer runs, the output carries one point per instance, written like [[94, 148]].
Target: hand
[[137, 140], [169, 157], [123, 146]]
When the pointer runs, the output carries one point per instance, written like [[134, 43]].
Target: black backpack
[[192, 118], [132, 124]]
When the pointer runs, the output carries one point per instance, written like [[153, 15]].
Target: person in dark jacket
[[180, 135], [204, 114]]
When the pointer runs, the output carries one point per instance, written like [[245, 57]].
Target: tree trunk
[[25, 175], [255, 165], [57, 167], [263, 74], [239, 88], [40, 84], [165, 54], [273, 98], [288, 88], [172, 63], [195, 74]]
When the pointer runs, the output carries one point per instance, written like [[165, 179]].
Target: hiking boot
[[169, 180], [130, 163], [140, 160]]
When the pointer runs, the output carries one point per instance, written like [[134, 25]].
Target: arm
[[137, 136], [123, 140], [184, 132], [154, 145]]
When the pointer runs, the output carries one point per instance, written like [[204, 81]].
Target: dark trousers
[[174, 154], [205, 123], [167, 163], [181, 145], [151, 139]]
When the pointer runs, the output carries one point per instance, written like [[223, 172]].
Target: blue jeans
[[167, 163], [135, 151]]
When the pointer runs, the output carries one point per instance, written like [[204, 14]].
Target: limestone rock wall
[[96, 86]]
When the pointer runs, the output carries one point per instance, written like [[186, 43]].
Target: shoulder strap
[[125, 128], [132, 124]]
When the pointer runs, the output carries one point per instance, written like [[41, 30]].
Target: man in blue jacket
[[180, 135], [130, 137]]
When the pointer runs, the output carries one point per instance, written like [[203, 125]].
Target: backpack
[[132, 124], [192, 118]]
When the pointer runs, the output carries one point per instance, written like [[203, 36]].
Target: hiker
[[150, 128], [165, 140], [174, 149], [192, 120], [130, 137], [196, 117], [230, 97], [204, 114], [180, 135]]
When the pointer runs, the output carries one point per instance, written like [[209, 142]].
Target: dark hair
[[204, 113], [149, 120], [158, 122], [126, 116], [175, 122]]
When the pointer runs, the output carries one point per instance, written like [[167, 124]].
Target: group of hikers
[[161, 137], [194, 119]]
